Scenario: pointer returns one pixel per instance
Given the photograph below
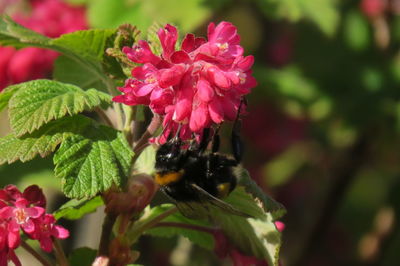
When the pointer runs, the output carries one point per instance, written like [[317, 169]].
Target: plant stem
[[59, 252], [186, 226], [150, 131], [34, 253], [108, 224], [129, 116], [151, 223], [143, 142], [104, 116], [157, 219]]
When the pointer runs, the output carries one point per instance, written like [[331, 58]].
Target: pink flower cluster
[[195, 87], [49, 17], [25, 211]]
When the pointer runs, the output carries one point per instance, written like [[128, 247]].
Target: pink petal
[[6, 212], [141, 53], [199, 41], [29, 226], [156, 94], [216, 111], [218, 77], [279, 226], [188, 43], [204, 90], [35, 196], [13, 226], [229, 109], [182, 110], [35, 212], [235, 50], [226, 31], [139, 72], [119, 99], [21, 203], [210, 30], [171, 76], [13, 239], [60, 232], [46, 244], [246, 63], [144, 90], [168, 37], [179, 57], [200, 118]]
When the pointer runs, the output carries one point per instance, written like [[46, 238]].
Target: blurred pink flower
[[373, 8], [195, 87], [49, 17], [279, 226]]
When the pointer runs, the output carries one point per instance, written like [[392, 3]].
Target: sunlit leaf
[[76, 209], [91, 163], [40, 101], [41, 142]]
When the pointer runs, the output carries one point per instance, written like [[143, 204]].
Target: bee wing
[[207, 197], [192, 209]]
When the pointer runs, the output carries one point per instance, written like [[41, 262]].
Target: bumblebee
[[195, 175]]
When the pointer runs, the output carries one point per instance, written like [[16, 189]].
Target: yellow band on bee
[[165, 179], [223, 190]]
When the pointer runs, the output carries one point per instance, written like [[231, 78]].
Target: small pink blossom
[[25, 211], [45, 229], [193, 88], [20, 216]]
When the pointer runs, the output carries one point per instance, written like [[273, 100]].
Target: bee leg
[[205, 139], [236, 142], [216, 141]]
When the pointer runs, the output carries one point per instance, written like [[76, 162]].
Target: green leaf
[[42, 142], [93, 162], [145, 162], [89, 44], [276, 209], [356, 31], [18, 36], [40, 101], [76, 209], [255, 236], [82, 257], [6, 95], [68, 71], [203, 239], [85, 62]]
